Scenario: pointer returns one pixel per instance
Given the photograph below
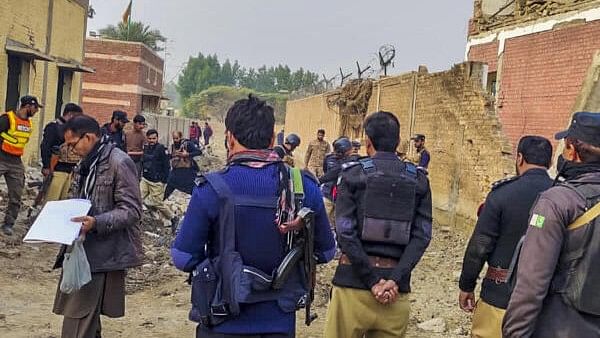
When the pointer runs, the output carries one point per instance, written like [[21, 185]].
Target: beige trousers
[[59, 186], [152, 196], [355, 313], [487, 321]]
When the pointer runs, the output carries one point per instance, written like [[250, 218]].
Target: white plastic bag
[[76, 268]]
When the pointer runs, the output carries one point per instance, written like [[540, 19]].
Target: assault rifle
[[303, 249]]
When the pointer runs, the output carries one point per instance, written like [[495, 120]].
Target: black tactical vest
[[577, 277], [389, 204]]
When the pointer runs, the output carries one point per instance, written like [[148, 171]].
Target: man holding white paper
[[107, 177]]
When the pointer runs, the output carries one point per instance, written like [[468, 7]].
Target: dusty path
[[159, 299], [160, 309]]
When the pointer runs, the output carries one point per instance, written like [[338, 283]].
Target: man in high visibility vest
[[15, 132]]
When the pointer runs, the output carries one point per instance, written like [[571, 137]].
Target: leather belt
[[378, 262], [497, 275]]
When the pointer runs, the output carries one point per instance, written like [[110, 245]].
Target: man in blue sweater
[[253, 172]]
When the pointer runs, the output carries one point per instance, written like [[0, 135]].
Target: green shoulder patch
[[537, 221]]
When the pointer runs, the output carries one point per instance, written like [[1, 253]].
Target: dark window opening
[[491, 84], [63, 92], [12, 85], [17, 83]]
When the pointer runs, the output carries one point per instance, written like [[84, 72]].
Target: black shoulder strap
[[226, 213]]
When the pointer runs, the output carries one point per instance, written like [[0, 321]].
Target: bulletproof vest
[[222, 282], [389, 203], [577, 276]]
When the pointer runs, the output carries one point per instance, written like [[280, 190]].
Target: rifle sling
[[586, 218]]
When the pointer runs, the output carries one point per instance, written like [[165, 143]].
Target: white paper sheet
[[53, 224]]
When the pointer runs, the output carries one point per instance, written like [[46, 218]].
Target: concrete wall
[[540, 71], [165, 125], [469, 150], [55, 28]]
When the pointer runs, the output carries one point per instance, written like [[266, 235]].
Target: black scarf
[[571, 170]]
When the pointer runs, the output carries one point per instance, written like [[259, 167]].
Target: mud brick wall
[[469, 150]]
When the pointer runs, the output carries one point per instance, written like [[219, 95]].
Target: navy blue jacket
[[261, 248]]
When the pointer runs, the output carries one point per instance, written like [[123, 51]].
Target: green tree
[[215, 101], [135, 31]]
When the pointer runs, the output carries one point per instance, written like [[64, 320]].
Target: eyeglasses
[[72, 146]]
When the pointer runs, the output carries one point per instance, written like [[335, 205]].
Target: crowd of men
[[250, 272]]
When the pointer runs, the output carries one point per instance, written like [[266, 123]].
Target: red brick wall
[[541, 77], [118, 73], [487, 53], [112, 72]]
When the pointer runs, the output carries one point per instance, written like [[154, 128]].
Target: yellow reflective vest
[[17, 135]]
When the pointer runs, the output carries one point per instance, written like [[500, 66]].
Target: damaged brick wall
[[468, 148], [540, 76]]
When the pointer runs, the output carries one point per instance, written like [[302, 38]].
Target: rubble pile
[[158, 236]]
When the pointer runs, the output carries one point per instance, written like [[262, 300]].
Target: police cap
[[585, 127]]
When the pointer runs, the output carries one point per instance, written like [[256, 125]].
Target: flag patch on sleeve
[[537, 221]]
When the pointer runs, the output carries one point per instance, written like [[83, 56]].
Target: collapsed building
[[530, 64]]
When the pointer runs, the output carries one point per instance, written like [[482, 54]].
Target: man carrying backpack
[[231, 213], [556, 292]]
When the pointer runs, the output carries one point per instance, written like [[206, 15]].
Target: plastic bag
[[76, 269]]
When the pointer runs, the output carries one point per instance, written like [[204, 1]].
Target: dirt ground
[[158, 297]]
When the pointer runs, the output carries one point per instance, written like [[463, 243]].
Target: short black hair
[[587, 152], [83, 124], [72, 108], [251, 121], [383, 129], [536, 150], [139, 119], [151, 132], [321, 131]]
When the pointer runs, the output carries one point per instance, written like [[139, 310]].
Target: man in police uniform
[[332, 167], [317, 149], [501, 224], [383, 224], [15, 131], [53, 145], [285, 151], [420, 156], [556, 292]]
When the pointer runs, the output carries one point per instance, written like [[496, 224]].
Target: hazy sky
[[318, 35]]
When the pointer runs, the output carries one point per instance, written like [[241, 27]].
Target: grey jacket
[[534, 309], [115, 241]]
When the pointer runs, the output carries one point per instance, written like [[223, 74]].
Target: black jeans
[[202, 332]]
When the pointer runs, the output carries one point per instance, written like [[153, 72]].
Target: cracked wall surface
[[464, 135]]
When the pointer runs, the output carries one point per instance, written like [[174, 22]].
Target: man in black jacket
[[332, 167], [383, 225], [53, 145], [155, 172], [114, 129], [501, 224]]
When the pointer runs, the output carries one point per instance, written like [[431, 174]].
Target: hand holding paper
[[87, 223], [54, 224]]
